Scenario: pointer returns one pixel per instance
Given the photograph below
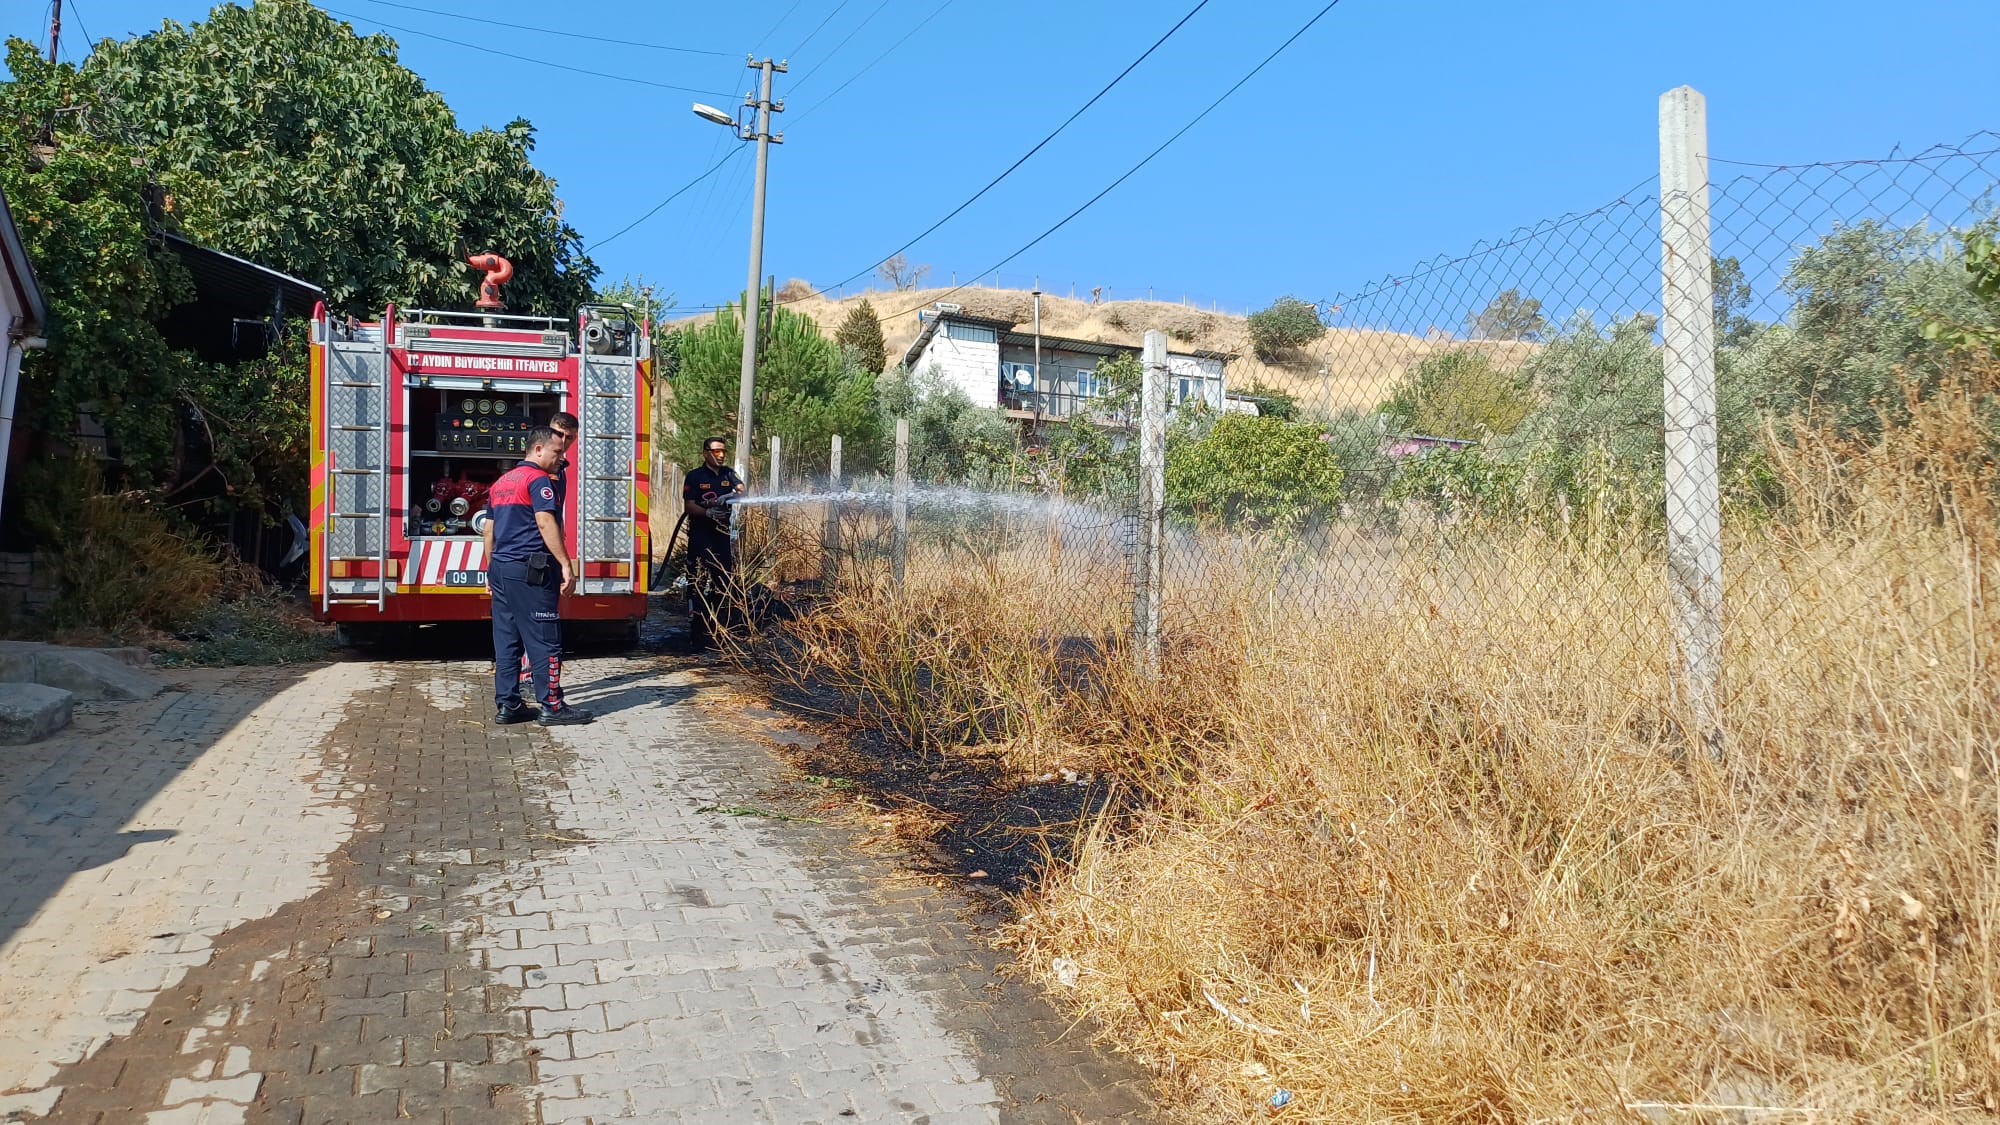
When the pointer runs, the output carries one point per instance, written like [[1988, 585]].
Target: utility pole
[[1040, 396], [754, 293], [55, 28]]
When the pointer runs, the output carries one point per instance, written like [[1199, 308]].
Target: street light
[[710, 113], [758, 130]]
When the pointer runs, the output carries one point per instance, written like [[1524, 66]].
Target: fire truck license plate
[[465, 578]]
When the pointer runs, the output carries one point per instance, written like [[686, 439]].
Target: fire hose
[[654, 582]]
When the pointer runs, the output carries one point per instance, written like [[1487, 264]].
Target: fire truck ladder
[[608, 416], [357, 422]]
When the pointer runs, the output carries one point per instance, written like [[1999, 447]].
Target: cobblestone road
[[342, 895]]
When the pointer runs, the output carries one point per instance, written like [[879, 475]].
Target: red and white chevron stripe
[[431, 558]]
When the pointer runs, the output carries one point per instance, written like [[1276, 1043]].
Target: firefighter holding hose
[[706, 495]]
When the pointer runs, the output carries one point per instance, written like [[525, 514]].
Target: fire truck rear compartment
[[460, 443]]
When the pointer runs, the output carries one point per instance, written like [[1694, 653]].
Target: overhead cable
[[526, 58], [815, 107], [1134, 169], [824, 59], [552, 31], [817, 30], [678, 192], [1024, 157], [778, 23]]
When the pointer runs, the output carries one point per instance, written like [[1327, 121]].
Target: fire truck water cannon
[[606, 335], [499, 271]]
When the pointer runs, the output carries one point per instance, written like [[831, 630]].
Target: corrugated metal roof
[[246, 287], [237, 304]]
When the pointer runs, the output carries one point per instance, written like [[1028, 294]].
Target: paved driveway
[[340, 894]]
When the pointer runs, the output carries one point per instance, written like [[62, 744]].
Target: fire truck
[[416, 414]]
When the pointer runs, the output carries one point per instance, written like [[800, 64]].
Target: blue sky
[[1393, 131]]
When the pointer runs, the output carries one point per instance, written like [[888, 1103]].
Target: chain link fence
[[1588, 429]]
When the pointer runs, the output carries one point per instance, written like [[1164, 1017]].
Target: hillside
[[1362, 366]]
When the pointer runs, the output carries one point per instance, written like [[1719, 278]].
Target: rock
[[31, 711], [85, 672]]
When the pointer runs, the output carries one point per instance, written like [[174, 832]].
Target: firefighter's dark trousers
[[525, 620], [711, 586]]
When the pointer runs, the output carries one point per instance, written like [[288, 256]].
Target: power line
[[1039, 145], [712, 169], [814, 108], [551, 30], [777, 23], [816, 30], [828, 57], [76, 14], [1147, 159], [526, 58]]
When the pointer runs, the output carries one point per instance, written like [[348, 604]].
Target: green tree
[[1251, 473], [952, 440], [1460, 393], [281, 135], [1862, 298], [861, 334], [806, 392], [79, 195], [1508, 316], [1732, 296], [631, 293], [1287, 324]]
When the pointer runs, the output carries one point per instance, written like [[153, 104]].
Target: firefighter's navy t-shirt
[[513, 500], [707, 487]]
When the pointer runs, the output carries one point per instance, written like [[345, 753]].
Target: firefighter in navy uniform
[[527, 572], [711, 561], [565, 426]]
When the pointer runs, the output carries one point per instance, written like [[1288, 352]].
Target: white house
[[25, 315], [995, 364]]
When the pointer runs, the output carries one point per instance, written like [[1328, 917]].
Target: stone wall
[[27, 590]]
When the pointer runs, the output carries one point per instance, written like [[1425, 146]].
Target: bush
[[797, 289], [951, 438], [1251, 472], [1289, 323], [118, 560], [1460, 394], [260, 627], [1272, 402]]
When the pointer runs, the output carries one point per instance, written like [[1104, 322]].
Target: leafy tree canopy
[[283, 136], [1460, 394], [1251, 472], [806, 392], [951, 438], [79, 195], [1508, 316], [1287, 324]]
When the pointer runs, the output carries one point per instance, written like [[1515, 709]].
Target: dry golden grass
[[1432, 860]]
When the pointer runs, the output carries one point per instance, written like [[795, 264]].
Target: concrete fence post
[[777, 484], [1147, 562], [829, 567], [900, 508], [1693, 479]]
